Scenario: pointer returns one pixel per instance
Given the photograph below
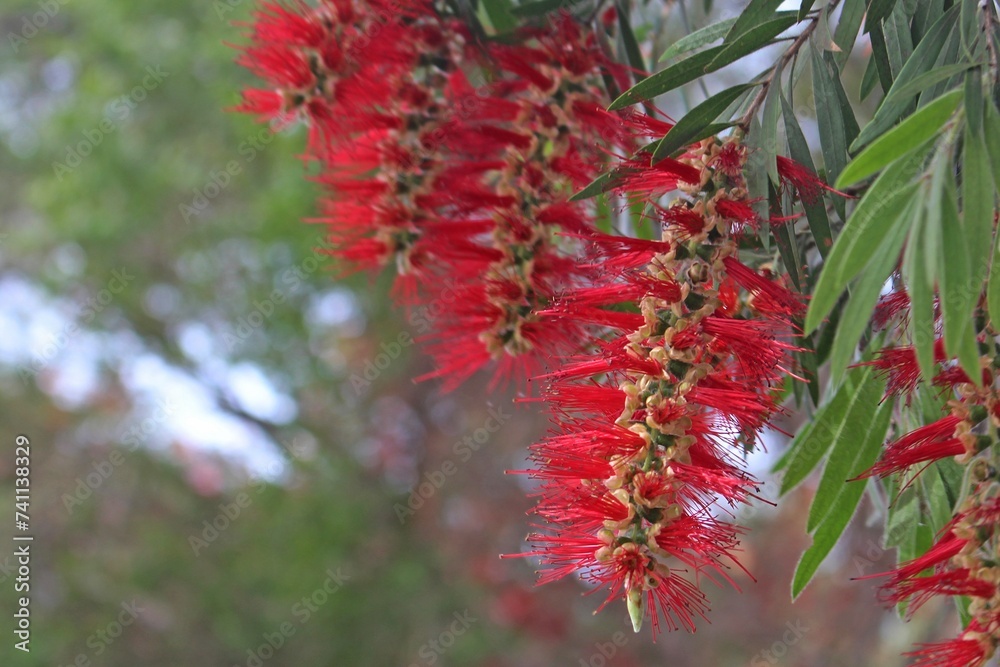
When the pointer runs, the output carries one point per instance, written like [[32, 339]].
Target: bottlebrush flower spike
[[690, 375]]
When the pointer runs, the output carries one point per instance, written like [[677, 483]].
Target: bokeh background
[[225, 435]]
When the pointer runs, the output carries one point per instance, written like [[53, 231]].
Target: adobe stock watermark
[[120, 279], [432, 650], [105, 636], [374, 366], [300, 612], [101, 471], [463, 450], [774, 653], [119, 109], [32, 25], [291, 280], [228, 513], [219, 179], [605, 651]]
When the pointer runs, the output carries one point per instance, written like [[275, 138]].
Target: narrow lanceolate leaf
[[696, 120], [819, 222], [666, 80], [991, 131], [959, 293], [703, 62], [629, 42], [847, 435], [846, 32], [899, 98], [913, 131], [865, 291], [602, 183], [756, 12], [920, 291], [832, 134], [866, 228], [769, 130], [753, 39], [877, 11], [858, 455], [815, 438], [698, 38]]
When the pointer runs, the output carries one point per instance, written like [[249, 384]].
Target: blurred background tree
[[180, 353]]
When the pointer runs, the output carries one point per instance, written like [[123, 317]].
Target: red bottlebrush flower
[[688, 222], [738, 211], [925, 444], [809, 186], [959, 652], [769, 296]]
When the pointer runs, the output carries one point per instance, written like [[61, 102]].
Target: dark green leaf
[[804, 8], [697, 120], [974, 102], [832, 134], [756, 38], [602, 183], [698, 38], [877, 11], [846, 32], [819, 223], [666, 80], [499, 12], [880, 54], [959, 293], [629, 41], [756, 12], [899, 99], [869, 80], [898, 141]]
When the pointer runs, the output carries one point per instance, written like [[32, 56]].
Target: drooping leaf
[[695, 121], [913, 131], [699, 38], [899, 98], [755, 13], [819, 222], [855, 457], [867, 226]]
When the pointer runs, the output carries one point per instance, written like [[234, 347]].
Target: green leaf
[[541, 7], [991, 125], [756, 12], [899, 44], [819, 222], [769, 130], [922, 83], [974, 102], [848, 435], [880, 55], [877, 11], [756, 38], [499, 13], [858, 455], [629, 41], [699, 38], [865, 291], [869, 80], [921, 295], [696, 120], [832, 133], [816, 437], [602, 183], [867, 226], [666, 80], [846, 32], [898, 99], [959, 293], [703, 62], [895, 143]]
